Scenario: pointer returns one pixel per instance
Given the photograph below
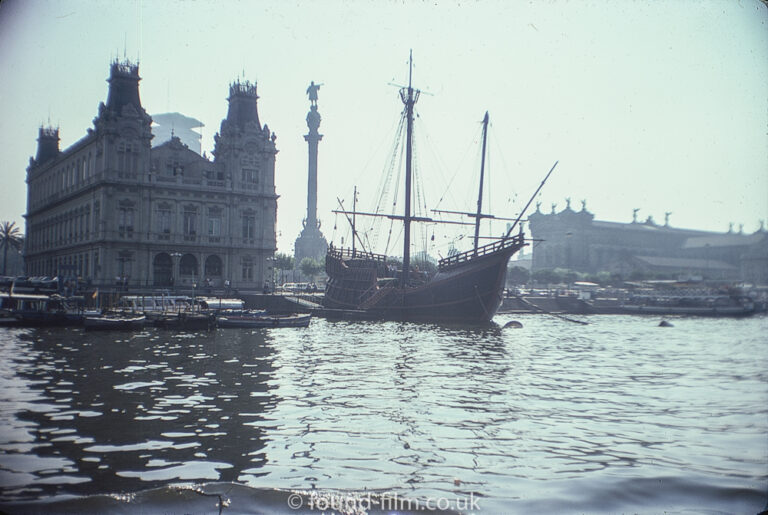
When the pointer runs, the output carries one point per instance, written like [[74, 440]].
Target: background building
[[574, 240], [167, 125], [112, 209]]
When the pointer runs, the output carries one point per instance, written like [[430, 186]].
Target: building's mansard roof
[[724, 240], [685, 263]]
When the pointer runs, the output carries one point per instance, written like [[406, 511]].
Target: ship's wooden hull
[[468, 291]]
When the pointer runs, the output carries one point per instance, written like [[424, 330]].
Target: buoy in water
[[664, 323], [514, 324]]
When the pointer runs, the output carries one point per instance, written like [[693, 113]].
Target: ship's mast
[[354, 213], [409, 97], [480, 193]]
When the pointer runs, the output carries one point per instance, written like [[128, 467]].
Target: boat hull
[[720, 311], [107, 323], [263, 321], [47, 319], [186, 321], [468, 291]]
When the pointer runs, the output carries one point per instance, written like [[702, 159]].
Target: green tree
[[567, 275], [10, 237], [310, 267], [547, 276], [283, 262], [425, 262], [604, 277], [518, 275]]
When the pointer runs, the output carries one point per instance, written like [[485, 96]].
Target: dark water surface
[[616, 416]]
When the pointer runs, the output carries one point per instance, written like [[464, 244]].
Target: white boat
[[219, 304], [155, 303]]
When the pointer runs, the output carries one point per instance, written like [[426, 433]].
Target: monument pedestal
[[310, 243]]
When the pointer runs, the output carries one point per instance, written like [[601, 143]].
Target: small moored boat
[[115, 322], [262, 320], [186, 321]]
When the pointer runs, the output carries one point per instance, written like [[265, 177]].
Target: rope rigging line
[[461, 166], [498, 151], [420, 203], [386, 182], [394, 202]]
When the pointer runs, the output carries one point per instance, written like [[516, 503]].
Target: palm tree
[[10, 236]]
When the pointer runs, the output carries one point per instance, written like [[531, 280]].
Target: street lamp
[[271, 267]]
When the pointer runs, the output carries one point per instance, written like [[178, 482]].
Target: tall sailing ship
[[466, 288]]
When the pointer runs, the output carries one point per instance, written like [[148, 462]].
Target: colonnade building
[[574, 240], [113, 209]]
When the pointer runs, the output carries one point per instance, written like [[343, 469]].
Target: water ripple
[[613, 416]]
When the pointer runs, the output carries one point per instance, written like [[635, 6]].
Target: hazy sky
[[657, 105]]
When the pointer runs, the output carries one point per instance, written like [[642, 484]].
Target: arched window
[[188, 265], [213, 266], [162, 267]]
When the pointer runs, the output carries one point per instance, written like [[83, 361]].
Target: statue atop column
[[311, 243], [312, 92]]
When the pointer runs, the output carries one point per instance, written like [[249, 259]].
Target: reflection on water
[[120, 412], [554, 416]]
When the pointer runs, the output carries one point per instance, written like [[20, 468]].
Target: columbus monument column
[[311, 242]]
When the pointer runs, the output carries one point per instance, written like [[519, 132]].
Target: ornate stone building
[[112, 209], [574, 240]]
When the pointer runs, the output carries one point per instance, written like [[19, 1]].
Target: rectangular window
[[121, 158], [214, 226], [124, 265], [164, 224], [249, 227], [125, 222], [247, 270], [164, 220], [250, 175], [190, 225]]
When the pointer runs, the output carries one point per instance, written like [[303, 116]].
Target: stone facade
[[111, 209], [574, 240]]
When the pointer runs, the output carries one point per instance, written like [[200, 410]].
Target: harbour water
[[616, 416]]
